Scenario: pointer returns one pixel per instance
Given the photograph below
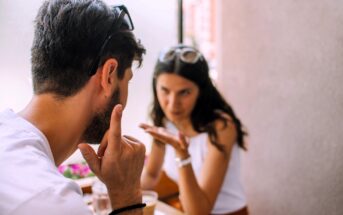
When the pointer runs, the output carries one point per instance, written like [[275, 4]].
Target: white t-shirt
[[29, 180], [231, 196]]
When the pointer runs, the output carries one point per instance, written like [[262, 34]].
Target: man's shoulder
[[40, 190], [57, 199], [23, 148], [13, 126], [29, 175]]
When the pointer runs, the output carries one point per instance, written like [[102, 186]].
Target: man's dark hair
[[68, 38]]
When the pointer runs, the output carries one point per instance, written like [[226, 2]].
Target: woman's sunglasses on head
[[185, 54]]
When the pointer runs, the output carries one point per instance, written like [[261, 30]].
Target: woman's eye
[[185, 92], [164, 91]]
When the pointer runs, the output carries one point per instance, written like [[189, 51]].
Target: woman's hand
[[179, 142]]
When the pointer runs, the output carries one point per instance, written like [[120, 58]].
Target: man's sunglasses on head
[[122, 22]]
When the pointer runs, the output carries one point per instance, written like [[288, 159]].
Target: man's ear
[[109, 80]]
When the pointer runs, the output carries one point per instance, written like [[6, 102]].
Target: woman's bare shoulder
[[226, 131]]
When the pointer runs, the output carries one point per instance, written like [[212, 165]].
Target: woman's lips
[[176, 113]]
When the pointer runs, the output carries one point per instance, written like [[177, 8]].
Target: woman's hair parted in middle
[[209, 101]]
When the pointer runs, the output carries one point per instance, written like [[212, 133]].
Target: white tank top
[[231, 197]]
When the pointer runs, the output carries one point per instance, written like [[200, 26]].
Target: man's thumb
[[90, 156]]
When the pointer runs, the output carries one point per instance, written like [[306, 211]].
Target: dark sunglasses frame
[[117, 25]]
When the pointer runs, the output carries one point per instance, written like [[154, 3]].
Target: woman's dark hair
[[68, 37], [209, 100]]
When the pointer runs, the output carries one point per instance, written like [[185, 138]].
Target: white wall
[[281, 67], [155, 23], [16, 33]]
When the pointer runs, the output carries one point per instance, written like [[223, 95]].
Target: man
[[81, 65]]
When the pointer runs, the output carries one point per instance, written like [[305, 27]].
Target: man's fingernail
[[120, 109]]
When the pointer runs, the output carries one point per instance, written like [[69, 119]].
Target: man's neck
[[61, 121]]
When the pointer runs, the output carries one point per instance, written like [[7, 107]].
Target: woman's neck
[[186, 128]]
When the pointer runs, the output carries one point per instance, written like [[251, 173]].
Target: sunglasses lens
[[189, 56], [186, 55], [167, 56]]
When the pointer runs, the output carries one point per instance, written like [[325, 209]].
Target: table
[[161, 207], [164, 209]]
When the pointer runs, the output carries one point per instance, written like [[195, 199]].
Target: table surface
[[163, 208]]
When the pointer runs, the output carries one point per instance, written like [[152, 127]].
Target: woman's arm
[[153, 168], [198, 197]]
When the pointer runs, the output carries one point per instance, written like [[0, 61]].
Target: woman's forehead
[[173, 80]]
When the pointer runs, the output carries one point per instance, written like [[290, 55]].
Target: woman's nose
[[173, 101]]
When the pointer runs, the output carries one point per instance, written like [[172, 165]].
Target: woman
[[196, 134]]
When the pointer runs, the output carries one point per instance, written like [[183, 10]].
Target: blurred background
[[279, 64]]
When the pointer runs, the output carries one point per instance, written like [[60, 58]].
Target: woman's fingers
[[163, 136], [144, 126]]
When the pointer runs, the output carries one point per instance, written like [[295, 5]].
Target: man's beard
[[101, 122]]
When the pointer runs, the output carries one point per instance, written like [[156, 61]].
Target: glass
[[121, 22], [100, 199], [185, 54], [150, 198]]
